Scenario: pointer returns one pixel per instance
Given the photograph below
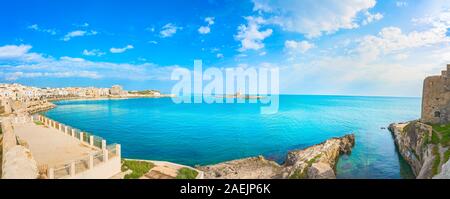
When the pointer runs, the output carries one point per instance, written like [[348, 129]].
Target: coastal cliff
[[422, 146], [315, 162]]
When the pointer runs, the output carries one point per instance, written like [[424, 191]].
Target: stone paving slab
[[50, 146]]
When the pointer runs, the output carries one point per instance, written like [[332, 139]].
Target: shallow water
[[199, 134]]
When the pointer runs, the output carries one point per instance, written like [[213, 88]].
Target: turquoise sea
[[200, 134]]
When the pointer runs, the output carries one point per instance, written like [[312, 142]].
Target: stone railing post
[[91, 140], [105, 155], [118, 150], [51, 173], [66, 130], [81, 136], [73, 133], [72, 169], [91, 161], [103, 144]]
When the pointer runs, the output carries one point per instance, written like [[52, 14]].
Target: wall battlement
[[436, 98]]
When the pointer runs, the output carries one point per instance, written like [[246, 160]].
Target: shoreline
[[108, 98], [318, 164]]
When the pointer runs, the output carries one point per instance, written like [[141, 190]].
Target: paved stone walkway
[[50, 146]]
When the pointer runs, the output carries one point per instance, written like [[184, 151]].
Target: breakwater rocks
[[315, 162], [419, 145]]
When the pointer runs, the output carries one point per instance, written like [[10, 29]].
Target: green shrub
[[444, 132], [434, 138], [186, 173], [38, 123], [446, 156], [436, 162], [138, 168], [298, 174]]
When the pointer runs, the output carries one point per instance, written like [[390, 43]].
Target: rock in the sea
[[321, 171], [248, 168], [315, 162]]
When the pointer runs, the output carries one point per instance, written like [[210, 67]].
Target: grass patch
[[186, 173], [138, 168], [444, 132], [446, 156], [38, 123], [298, 174], [436, 161], [144, 92], [434, 138]]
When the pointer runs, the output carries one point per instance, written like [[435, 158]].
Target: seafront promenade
[[56, 151], [49, 146]]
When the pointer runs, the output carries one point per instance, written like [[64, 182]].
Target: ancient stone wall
[[17, 160], [436, 98]]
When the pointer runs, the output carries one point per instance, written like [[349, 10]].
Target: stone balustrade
[[102, 164]]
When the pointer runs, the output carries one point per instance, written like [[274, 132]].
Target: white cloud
[[78, 33], [153, 42], [13, 51], [16, 67], [219, 55], [250, 36], [94, 52], [121, 50], [206, 29], [392, 40], [209, 20], [168, 30], [295, 47], [36, 27], [371, 17], [21, 52], [314, 18], [391, 62], [81, 74]]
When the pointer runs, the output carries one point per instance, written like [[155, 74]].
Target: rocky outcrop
[[39, 106], [414, 142], [248, 168], [315, 162]]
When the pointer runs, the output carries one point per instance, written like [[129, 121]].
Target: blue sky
[[356, 47]]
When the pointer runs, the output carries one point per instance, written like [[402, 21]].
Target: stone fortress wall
[[436, 98]]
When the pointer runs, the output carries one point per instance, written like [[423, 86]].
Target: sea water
[[202, 134]]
